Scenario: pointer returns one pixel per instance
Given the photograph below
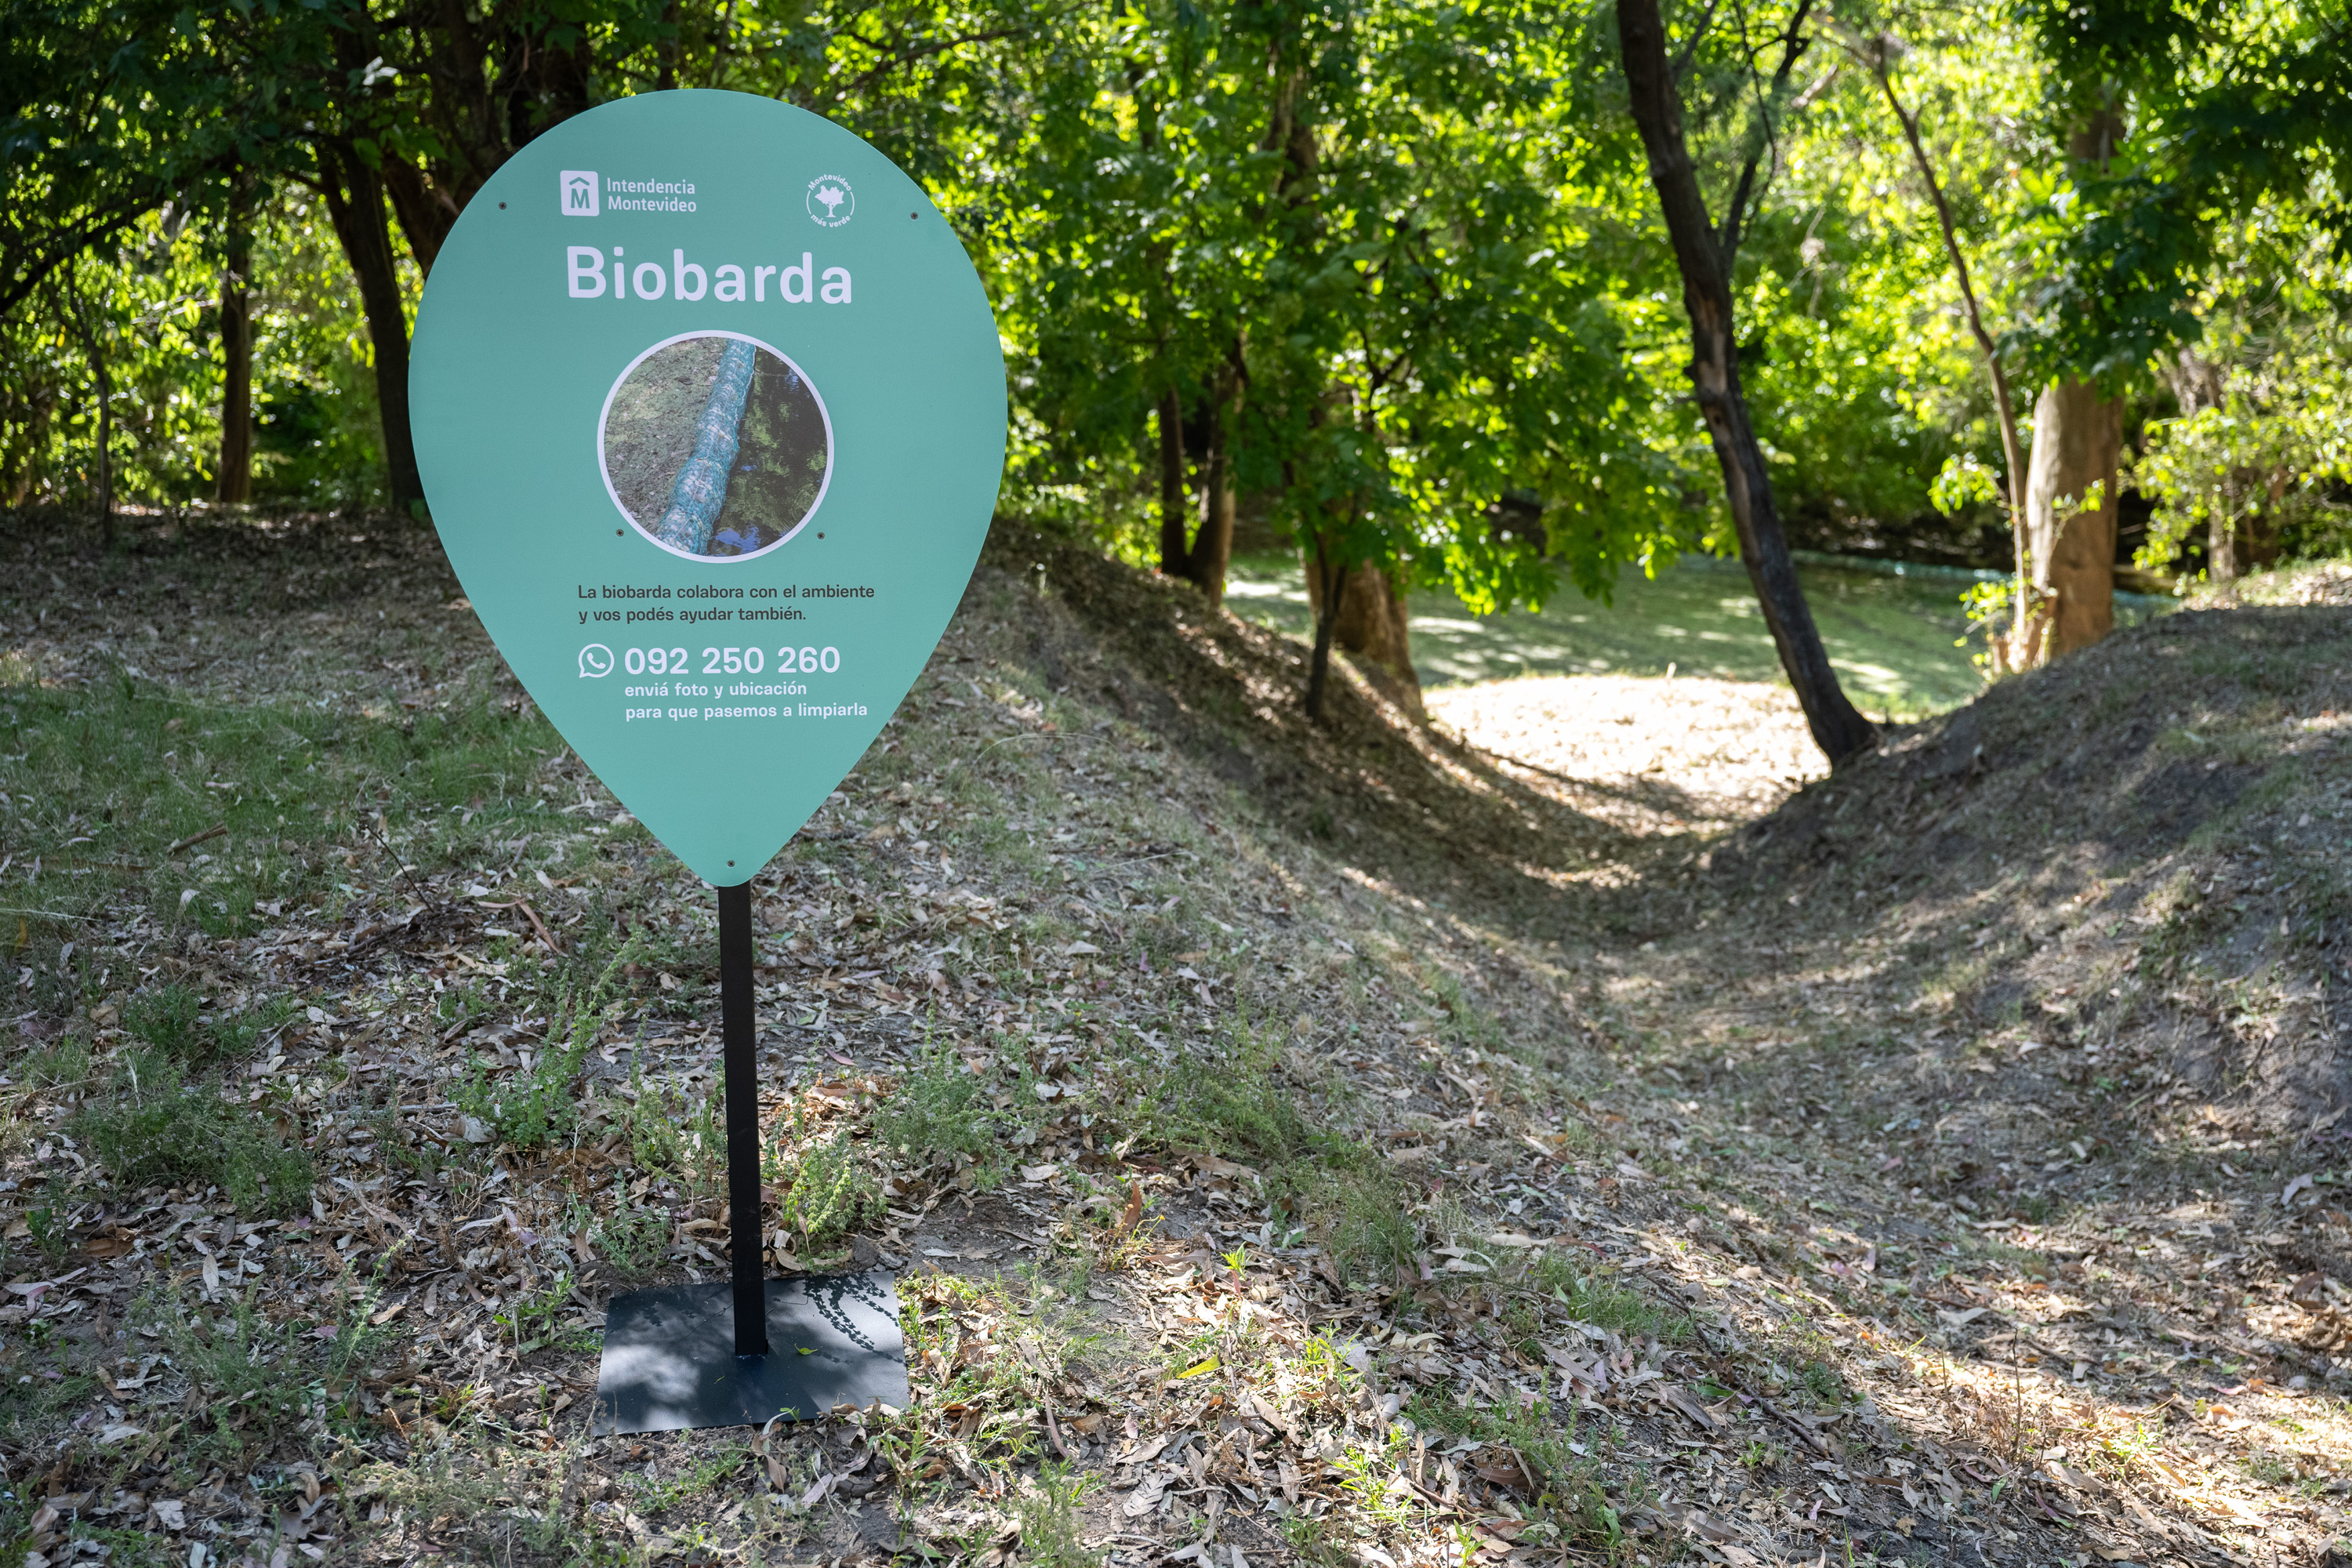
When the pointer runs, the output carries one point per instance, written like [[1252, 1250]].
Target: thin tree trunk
[[234, 481], [2013, 456], [1175, 550], [1837, 727], [426, 212], [1329, 580], [68, 302], [1212, 545], [105, 446], [354, 195], [2221, 547], [665, 51]]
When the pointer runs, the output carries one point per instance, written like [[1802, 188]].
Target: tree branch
[[1875, 57], [1735, 215]]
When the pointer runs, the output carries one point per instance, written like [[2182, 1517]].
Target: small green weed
[[258, 1380], [831, 1191], [634, 1241], [1372, 1234], [528, 1110], [1599, 1301], [171, 1019], [654, 1497], [667, 1134], [152, 1127], [942, 1108], [1527, 1432], [64, 1065], [536, 1108], [1047, 1512], [530, 1319], [49, 1231], [1366, 1476], [168, 1019], [1311, 1539]]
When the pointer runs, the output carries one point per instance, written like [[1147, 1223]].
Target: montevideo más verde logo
[[831, 201], [576, 191]]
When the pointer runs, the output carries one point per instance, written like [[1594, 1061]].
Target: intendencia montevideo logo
[[579, 194]]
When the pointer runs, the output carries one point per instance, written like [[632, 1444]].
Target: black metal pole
[[739, 1036]]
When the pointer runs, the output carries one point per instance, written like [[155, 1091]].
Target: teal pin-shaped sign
[[709, 407]]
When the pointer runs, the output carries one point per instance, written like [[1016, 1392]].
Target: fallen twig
[[215, 831]]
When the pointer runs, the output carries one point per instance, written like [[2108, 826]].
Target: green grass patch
[[151, 1125], [1598, 1298], [112, 776]]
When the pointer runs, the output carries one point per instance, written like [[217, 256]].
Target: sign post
[[710, 406]]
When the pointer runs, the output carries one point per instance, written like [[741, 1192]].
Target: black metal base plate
[[670, 1364]]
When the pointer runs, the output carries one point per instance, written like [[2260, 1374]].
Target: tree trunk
[[426, 211], [1175, 548], [1212, 546], [1837, 727], [354, 195], [105, 446], [234, 483], [1369, 621], [68, 302], [2077, 442], [1326, 582]]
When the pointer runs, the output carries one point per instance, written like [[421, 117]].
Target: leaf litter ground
[[1340, 1143]]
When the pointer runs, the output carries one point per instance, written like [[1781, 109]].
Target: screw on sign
[[767, 461]]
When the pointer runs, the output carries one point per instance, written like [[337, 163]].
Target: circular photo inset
[[715, 446]]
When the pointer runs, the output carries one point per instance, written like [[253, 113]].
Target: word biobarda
[[794, 283]]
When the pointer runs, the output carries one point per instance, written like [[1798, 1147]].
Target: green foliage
[[2220, 114], [258, 1380], [1961, 482], [535, 1107], [1599, 1300], [828, 1192], [1390, 272], [1242, 1109], [530, 1318], [667, 1133], [1530, 1432], [46, 1225], [1372, 1234], [151, 1125], [63, 1065], [2262, 440], [633, 1240], [942, 1108], [1052, 1534], [171, 1019], [166, 1018], [529, 1110]]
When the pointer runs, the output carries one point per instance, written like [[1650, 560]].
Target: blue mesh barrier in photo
[[701, 487]]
